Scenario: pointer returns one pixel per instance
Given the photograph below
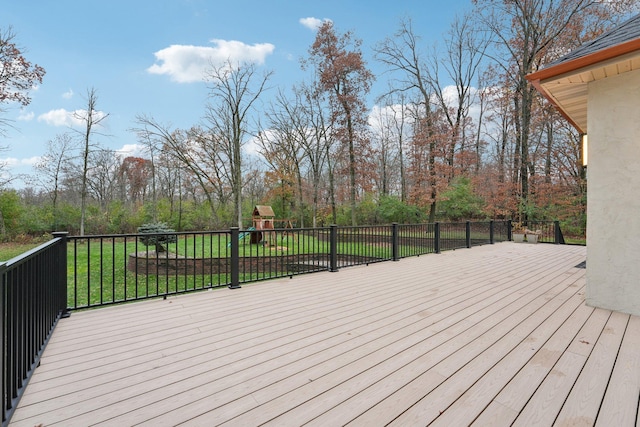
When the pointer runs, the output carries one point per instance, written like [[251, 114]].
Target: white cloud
[[59, 117], [385, 119], [380, 116], [68, 94], [132, 150], [15, 162], [62, 117], [251, 147], [313, 23], [10, 161], [187, 64], [26, 116], [450, 94], [31, 161]]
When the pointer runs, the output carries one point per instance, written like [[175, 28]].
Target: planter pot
[[518, 237], [532, 238]]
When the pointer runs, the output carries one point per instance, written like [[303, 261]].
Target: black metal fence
[[42, 285], [112, 269], [33, 289], [547, 231]]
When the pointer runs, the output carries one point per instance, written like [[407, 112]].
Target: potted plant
[[518, 232], [532, 236]]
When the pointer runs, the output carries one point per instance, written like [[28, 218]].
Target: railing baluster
[[194, 263], [33, 298], [333, 248], [235, 259], [395, 256], [491, 233]]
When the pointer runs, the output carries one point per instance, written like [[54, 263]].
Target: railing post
[[235, 258], [436, 237], [557, 234], [3, 335], [509, 231], [467, 230], [394, 241], [61, 262], [491, 233], [333, 248]]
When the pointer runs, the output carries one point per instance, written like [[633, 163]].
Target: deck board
[[489, 335], [545, 343], [510, 401], [583, 402], [620, 404], [487, 330], [467, 365]]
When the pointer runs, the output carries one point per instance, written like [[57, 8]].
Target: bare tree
[[152, 149], [190, 149], [233, 91], [464, 53], [402, 56], [171, 176], [282, 145], [499, 127], [317, 141], [482, 103], [103, 176], [91, 118], [383, 138], [53, 166]]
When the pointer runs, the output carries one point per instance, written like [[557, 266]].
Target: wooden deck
[[489, 336]]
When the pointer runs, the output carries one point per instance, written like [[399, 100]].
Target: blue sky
[[144, 56]]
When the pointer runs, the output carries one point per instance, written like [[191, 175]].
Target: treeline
[[459, 134]]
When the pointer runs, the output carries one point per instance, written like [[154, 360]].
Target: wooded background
[[459, 134]]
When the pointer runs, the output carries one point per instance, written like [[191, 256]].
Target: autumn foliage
[[456, 133]]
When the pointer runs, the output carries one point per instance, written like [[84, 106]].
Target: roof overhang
[[565, 84]]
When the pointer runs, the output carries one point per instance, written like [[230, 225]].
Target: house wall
[[613, 209]]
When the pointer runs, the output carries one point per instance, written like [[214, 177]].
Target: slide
[[243, 234]]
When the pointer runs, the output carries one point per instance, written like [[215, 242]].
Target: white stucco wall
[[613, 204]]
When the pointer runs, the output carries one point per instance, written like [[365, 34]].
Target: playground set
[[263, 228]]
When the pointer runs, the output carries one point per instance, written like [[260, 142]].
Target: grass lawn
[[98, 273], [11, 250]]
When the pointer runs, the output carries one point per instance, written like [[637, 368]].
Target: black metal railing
[[112, 269], [415, 240], [67, 273], [33, 289], [546, 231], [109, 269]]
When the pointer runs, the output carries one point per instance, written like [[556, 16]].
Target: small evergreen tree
[[159, 234]]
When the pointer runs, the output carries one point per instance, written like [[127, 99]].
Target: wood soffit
[[565, 84]]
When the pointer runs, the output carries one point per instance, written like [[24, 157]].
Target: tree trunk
[[403, 179], [352, 166], [547, 163], [332, 192]]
